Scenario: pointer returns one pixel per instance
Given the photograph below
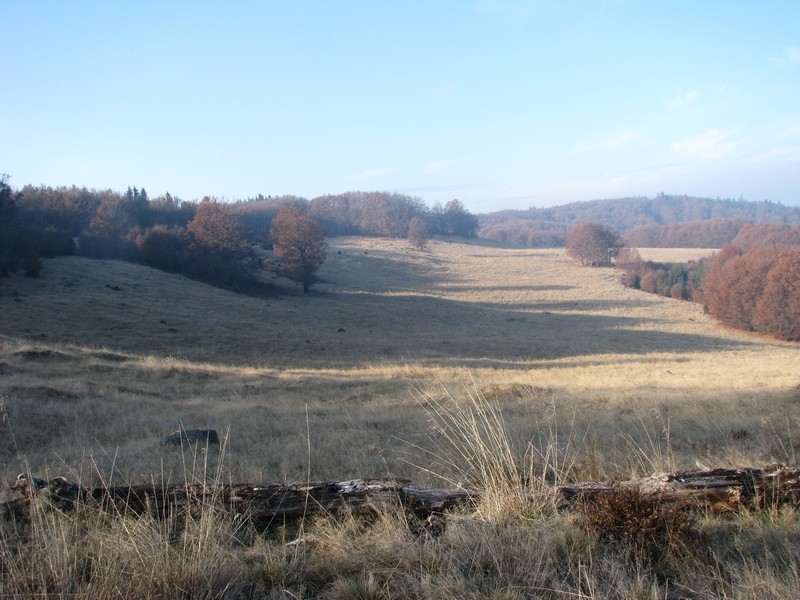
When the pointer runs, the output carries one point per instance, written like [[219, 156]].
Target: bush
[[163, 248], [648, 530], [32, 264], [53, 242], [675, 280], [106, 246], [418, 233]]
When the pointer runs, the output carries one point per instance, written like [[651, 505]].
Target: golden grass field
[[99, 360]]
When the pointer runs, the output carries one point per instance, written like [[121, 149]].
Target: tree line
[[648, 220], [210, 240], [751, 284]]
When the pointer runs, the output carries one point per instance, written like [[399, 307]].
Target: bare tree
[[418, 233]]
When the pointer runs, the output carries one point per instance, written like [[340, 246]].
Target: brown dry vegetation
[[101, 359]]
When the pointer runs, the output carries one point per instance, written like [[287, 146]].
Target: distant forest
[[211, 241], [752, 283], [664, 221]]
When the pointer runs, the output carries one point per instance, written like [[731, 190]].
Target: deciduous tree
[[214, 226], [8, 211], [418, 233], [298, 245], [777, 311], [735, 283], [458, 220], [593, 244]]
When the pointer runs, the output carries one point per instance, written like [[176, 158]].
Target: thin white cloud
[[790, 56], [571, 190], [438, 166], [456, 187], [710, 145], [447, 87], [784, 155], [683, 100], [610, 143], [369, 174]]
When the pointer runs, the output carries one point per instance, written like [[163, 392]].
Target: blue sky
[[500, 103]]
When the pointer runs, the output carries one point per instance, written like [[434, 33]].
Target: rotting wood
[[719, 490], [262, 504]]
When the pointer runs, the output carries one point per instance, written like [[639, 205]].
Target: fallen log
[[264, 505], [718, 490]]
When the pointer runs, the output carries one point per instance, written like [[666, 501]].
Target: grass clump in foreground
[[512, 544]]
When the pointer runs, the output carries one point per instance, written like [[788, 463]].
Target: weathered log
[[263, 505], [719, 490]]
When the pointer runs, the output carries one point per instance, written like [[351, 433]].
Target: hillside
[[544, 226], [465, 364], [110, 347]]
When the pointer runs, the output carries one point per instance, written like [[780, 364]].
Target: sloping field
[[101, 359], [675, 254]]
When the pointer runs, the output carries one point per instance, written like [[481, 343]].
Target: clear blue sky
[[500, 103]]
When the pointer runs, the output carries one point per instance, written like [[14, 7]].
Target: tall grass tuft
[[473, 447], [91, 553]]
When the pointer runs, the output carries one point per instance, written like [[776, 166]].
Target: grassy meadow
[[99, 360]]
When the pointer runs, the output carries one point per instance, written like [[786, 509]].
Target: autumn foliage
[[757, 289], [713, 233], [593, 244], [298, 245], [754, 289], [673, 280]]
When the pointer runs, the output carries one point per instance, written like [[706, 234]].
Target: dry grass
[[675, 254], [584, 379], [100, 360]]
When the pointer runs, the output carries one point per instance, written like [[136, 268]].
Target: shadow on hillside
[[572, 305], [432, 330], [353, 326], [378, 271], [505, 288]]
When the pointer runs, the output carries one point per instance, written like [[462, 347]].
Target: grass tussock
[[474, 447]]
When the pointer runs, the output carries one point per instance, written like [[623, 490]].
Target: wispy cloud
[[457, 187], [448, 86], [610, 143], [683, 100], [438, 166], [710, 145], [790, 56], [572, 189], [369, 174], [784, 155]]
